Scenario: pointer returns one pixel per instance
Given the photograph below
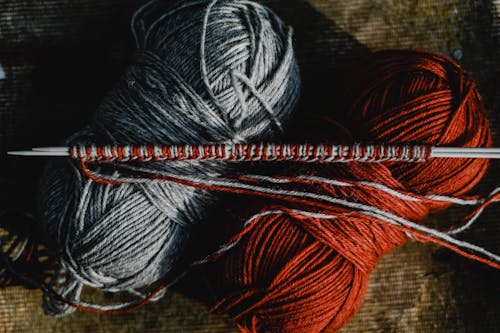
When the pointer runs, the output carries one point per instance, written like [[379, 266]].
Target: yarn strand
[[320, 201]]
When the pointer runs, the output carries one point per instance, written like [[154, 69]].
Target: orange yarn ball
[[296, 273], [417, 97]]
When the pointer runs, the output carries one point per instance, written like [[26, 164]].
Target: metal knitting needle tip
[[46, 151], [465, 152], [58, 149]]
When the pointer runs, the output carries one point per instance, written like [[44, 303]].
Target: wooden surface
[[60, 57]]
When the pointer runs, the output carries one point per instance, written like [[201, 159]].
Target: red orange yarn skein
[[296, 273]]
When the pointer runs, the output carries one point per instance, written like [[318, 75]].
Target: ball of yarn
[[205, 71], [297, 272], [415, 97]]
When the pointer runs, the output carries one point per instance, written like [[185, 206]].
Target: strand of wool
[[297, 269], [205, 71]]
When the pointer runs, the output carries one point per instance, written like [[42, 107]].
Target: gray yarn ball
[[206, 71]]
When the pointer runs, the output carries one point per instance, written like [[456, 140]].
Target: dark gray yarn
[[206, 71]]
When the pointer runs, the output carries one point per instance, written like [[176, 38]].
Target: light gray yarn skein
[[206, 71]]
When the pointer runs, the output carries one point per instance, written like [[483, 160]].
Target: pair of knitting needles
[[260, 152]]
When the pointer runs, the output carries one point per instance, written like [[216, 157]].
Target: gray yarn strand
[[205, 71]]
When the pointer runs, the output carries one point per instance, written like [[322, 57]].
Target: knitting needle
[[42, 151], [465, 152], [435, 152]]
